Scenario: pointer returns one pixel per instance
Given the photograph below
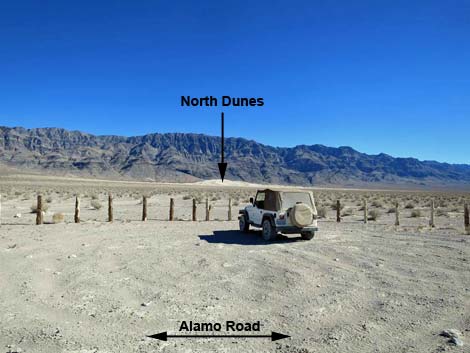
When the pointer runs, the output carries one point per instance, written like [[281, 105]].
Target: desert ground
[[103, 287]]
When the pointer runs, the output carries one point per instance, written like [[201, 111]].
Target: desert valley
[[100, 286], [234, 177]]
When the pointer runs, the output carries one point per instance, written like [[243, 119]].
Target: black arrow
[[222, 164], [163, 336]]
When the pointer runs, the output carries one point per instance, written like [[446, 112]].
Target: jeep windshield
[[289, 199]]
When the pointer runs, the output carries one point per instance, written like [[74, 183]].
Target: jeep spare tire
[[301, 215]]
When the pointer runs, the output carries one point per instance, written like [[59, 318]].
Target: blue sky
[[379, 76]]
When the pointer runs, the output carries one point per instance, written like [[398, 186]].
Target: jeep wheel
[[243, 223], [269, 232], [307, 235]]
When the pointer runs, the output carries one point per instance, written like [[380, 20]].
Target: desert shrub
[[34, 207], [442, 203], [58, 218], [347, 212], [333, 206], [416, 214], [410, 205], [187, 197], [391, 210], [236, 203], [374, 215], [49, 199], [442, 213], [377, 203], [95, 204], [94, 197], [321, 212]]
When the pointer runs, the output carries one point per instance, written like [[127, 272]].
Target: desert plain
[[101, 286]]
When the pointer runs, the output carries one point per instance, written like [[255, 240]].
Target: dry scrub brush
[[95, 204], [34, 208], [322, 212], [58, 218], [374, 215], [334, 206], [377, 204], [442, 213]]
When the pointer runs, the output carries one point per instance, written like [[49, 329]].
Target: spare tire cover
[[301, 215]]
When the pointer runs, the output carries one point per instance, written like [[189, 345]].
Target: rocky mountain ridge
[[191, 157]]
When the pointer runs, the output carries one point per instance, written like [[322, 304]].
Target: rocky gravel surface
[[101, 287]]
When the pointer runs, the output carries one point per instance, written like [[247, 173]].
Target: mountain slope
[[189, 157]]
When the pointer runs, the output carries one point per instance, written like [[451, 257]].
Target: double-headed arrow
[[222, 164], [163, 336]]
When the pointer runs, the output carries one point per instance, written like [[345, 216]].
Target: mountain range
[[191, 157]]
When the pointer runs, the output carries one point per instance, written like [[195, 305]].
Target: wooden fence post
[[397, 214], [144, 208], [194, 210], [39, 217], [229, 216], [76, 217], [338, 211], [431, 220], [110, 208], [172, 209], [207, 209], [366, 215], [467, 219], [0, 209]]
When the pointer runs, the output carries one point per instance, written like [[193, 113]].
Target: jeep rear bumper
[[295, 230]]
